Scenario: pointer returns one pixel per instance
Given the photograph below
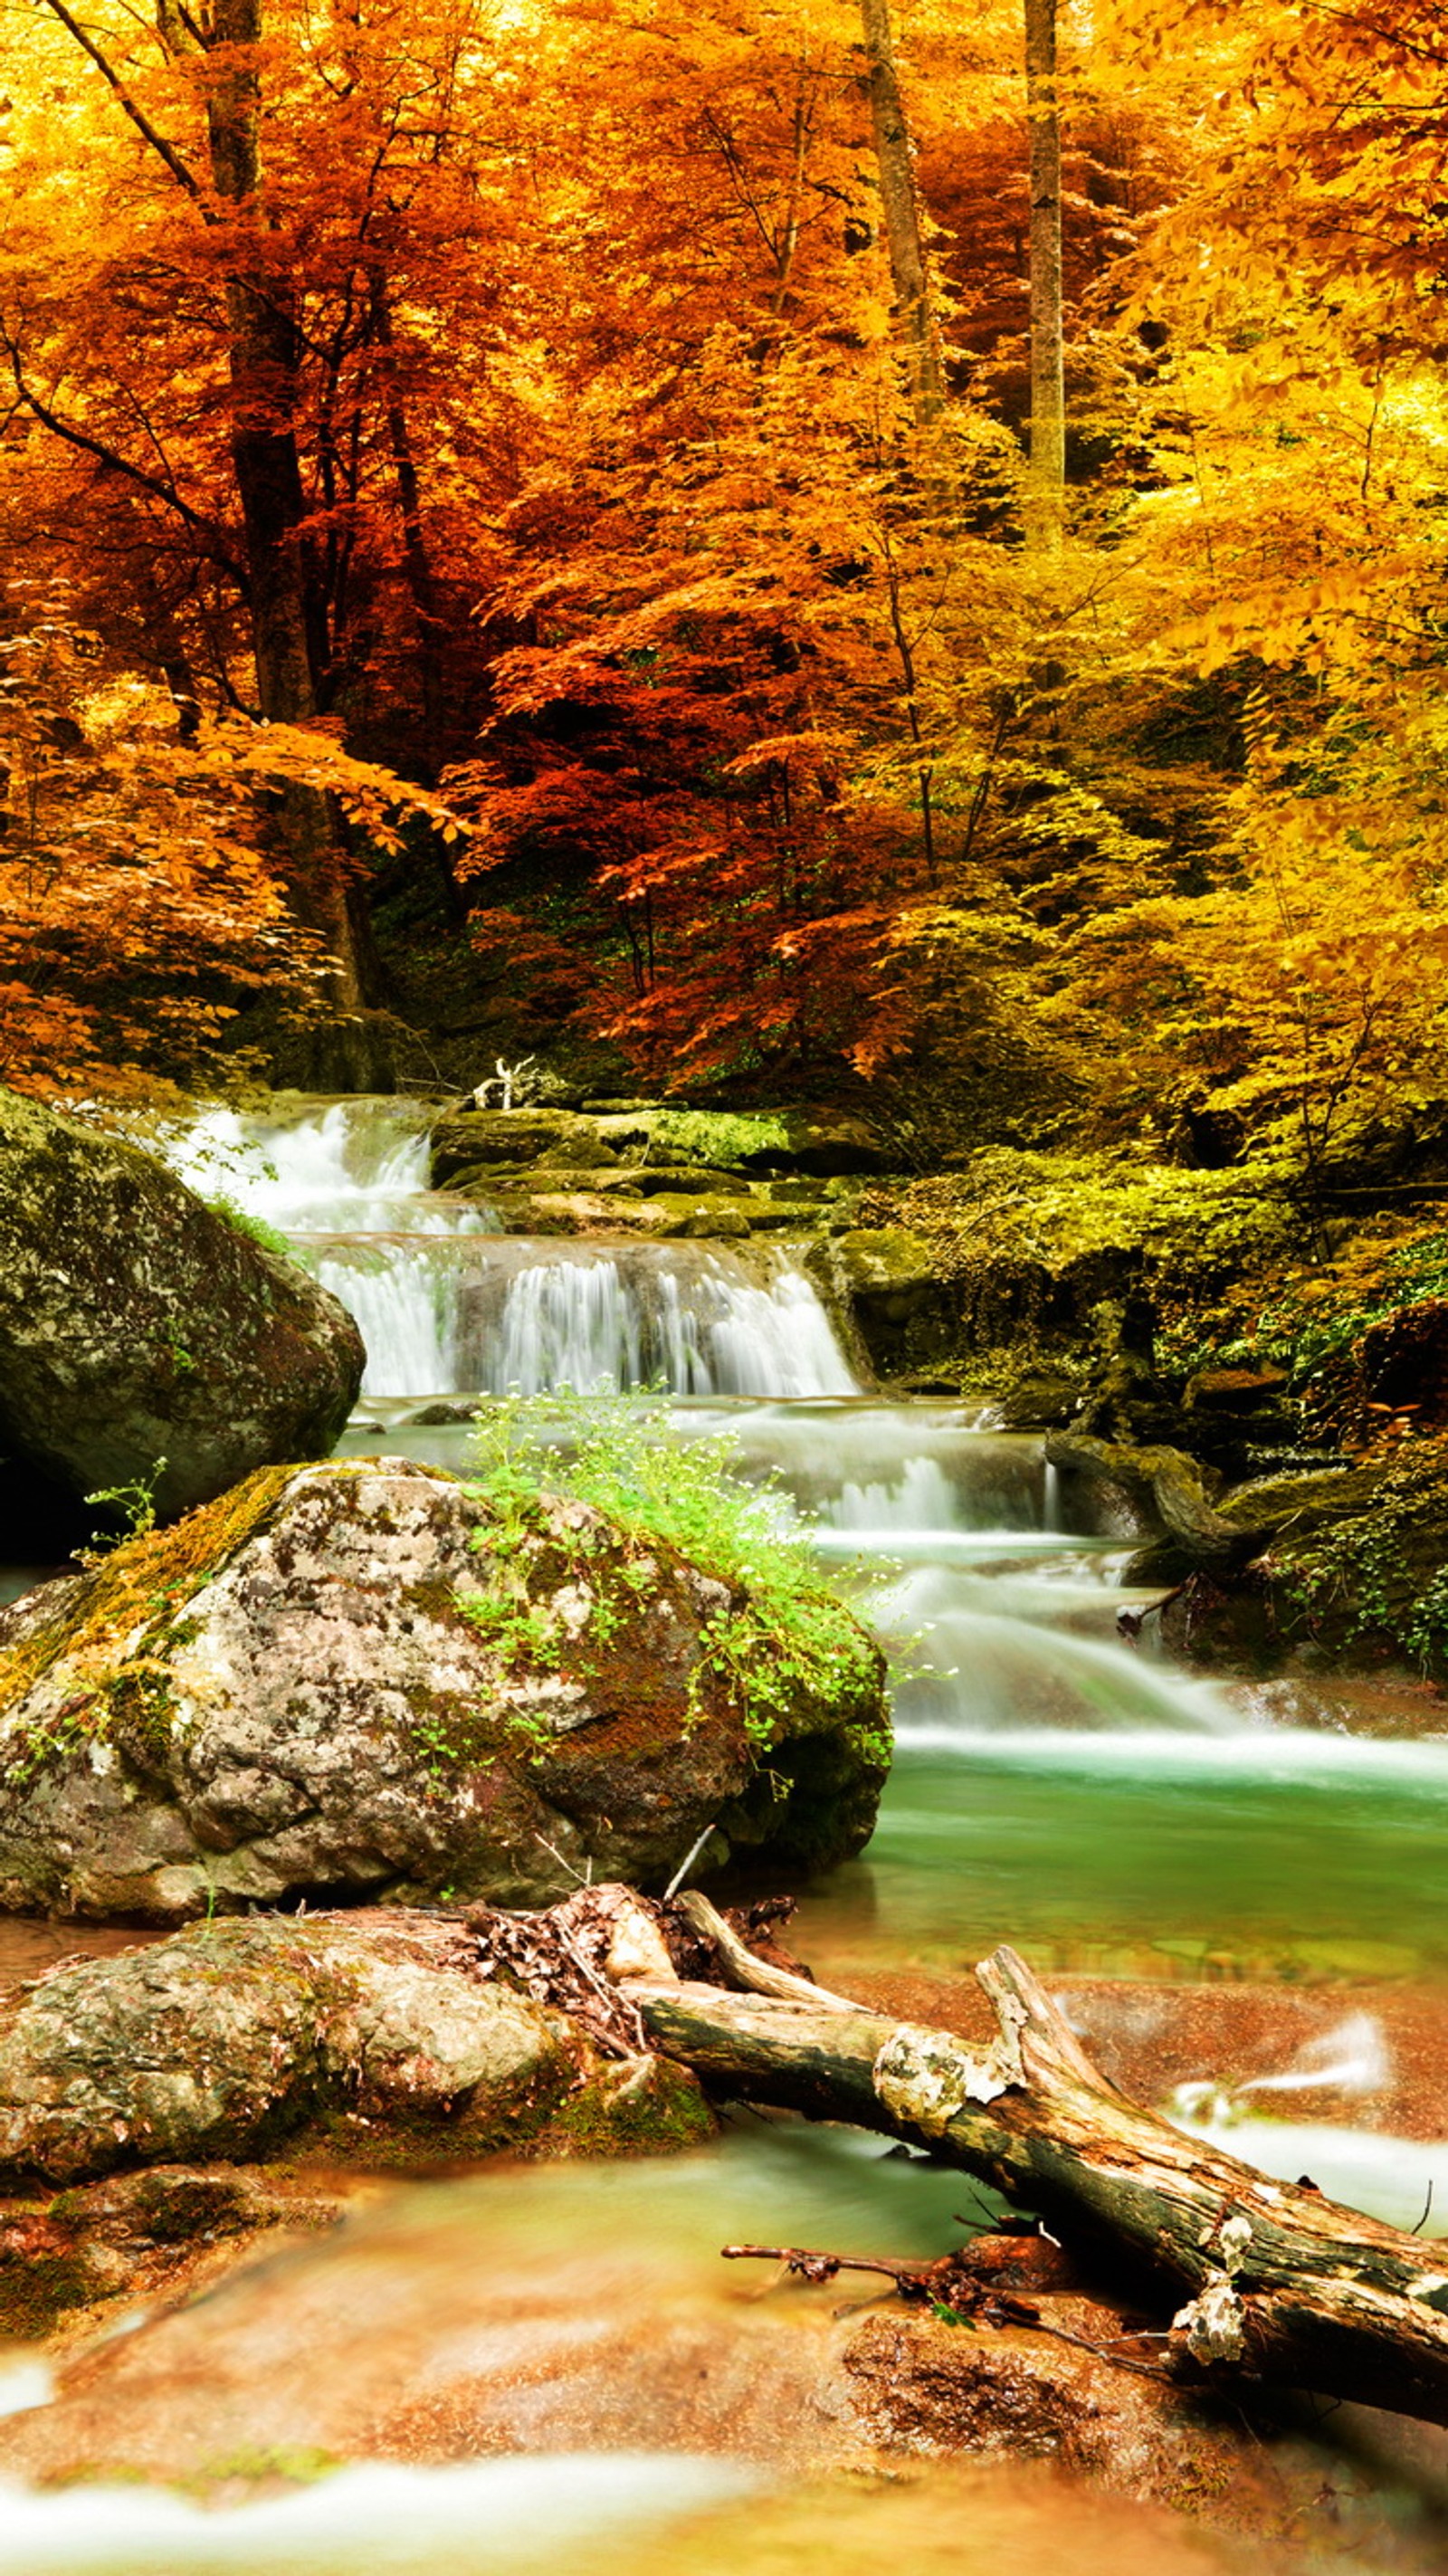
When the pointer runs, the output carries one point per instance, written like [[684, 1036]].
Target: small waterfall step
[[448, 1305]]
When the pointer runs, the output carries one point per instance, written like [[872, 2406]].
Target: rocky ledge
[[145, 1339], [357, 1681]]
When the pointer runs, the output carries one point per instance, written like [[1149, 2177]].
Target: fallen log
[[1278, 2283]]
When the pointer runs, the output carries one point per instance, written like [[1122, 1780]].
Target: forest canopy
[[541, 520]]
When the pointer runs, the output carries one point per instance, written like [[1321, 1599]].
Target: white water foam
[[1285, 1756], [976, 1672], [484, 2518], [339, 1167], [703, 1322], [923, 1499]]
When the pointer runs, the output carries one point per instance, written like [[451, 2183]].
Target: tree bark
[[900, 207], [1277, 2282], [1047, 480], [288, 628]]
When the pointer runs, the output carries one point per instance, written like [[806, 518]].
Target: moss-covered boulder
[[475, 1139], [137, 1325], [1054, 1275], [358, 1680], [1350, 1572], [234, 2039]]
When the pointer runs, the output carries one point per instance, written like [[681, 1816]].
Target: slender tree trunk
[[901, 209], [264, 356], [1046, 490]]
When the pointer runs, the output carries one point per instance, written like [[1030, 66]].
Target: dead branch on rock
[[580, 1956], [968, 2287]]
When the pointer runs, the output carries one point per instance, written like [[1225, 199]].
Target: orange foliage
[[611, 513]]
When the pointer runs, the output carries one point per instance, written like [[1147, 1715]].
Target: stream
[[1131, 1829]]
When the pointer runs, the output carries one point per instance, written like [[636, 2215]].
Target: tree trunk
[[264, 352], [900, 207], [1047, 482], [1276, 2281]]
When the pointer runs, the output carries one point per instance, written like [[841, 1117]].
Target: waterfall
[[346, 1182], [447, 1305], [336, 1167], [923, 1498], [702, 1320]]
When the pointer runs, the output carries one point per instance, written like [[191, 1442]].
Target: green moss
[[292, 2464], [664, 2113], [36, 2290], [714, 1136], [106, 1628]]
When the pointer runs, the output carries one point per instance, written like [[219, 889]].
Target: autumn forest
[[560, 523], [723, 1176]]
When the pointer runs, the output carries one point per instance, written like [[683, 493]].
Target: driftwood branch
[[1265, 2278], [744, 1967]]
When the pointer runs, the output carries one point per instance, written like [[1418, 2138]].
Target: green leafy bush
[[785, 1632]]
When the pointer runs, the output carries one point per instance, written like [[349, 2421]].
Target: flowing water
[[1054, 1786]]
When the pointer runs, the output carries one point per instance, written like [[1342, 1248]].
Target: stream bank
[[1147, 1838]]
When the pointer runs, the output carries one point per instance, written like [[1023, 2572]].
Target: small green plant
[[136, 1505], [781, 1633], [242, 1221], [434, 1741]]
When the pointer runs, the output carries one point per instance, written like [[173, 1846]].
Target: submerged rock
[[354, 1680], [231, 2039], [143, 1337]]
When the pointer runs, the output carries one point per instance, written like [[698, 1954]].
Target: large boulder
[[355, 1680], [233, 2038], [508, 1138], [138, 1325]]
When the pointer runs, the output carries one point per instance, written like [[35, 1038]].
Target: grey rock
[[285, 1697], [229, 2039]]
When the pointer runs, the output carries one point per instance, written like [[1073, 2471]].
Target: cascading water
[[1053, 1788], [346, 1182], [446, 1305], [702, 1320]]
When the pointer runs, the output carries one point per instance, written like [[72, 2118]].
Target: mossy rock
[[349, 1681], [1051, 1265], [1351, 1575], [137, 1326], [671, 1215], [887, 1265], [236, 2039], [514, 1137]]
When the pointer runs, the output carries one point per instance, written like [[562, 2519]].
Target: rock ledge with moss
[[137, 1326], [358, 1681]]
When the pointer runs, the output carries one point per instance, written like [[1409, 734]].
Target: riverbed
[[1238, 1892]]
